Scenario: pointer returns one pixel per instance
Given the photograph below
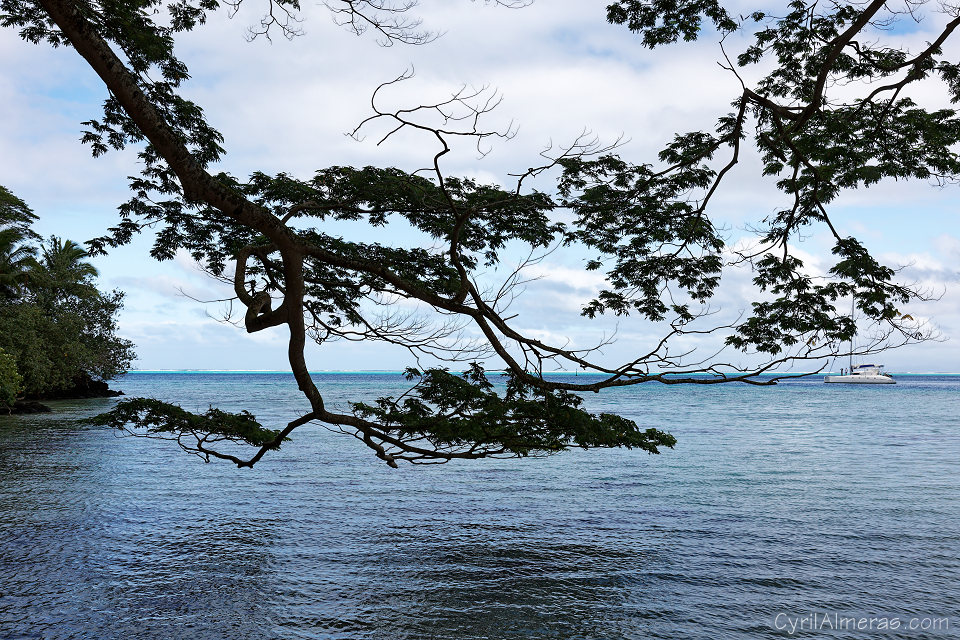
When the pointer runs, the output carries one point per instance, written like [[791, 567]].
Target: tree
[[14, 212], [833, 114], [57, 330], [17, 258], [17, 262], [64, 273]]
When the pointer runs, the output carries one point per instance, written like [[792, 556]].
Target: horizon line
[[572, 373]]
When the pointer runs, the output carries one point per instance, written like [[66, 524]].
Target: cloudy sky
[[286, 106]]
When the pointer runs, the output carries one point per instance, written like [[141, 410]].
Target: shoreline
[[87, 390]]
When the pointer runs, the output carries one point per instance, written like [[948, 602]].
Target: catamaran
[[864, 374]]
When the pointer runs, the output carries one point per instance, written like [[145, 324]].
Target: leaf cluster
[[468, 412], [643, 222], [154, 417], [662, 22]]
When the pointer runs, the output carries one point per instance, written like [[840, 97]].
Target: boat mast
[[852, 308]]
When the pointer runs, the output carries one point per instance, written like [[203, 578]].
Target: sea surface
[[783, 511]]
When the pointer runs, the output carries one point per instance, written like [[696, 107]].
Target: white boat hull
[[860, 379]]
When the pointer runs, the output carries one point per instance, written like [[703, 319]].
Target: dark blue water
[[778, 504]]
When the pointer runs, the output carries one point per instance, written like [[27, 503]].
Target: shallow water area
[[781, 502]]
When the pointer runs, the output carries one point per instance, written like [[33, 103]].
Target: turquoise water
[[800, 501]]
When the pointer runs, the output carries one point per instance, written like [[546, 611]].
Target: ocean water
[[787, 511]]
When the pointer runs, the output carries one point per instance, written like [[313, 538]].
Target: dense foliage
[[455, 411], [821, 93], [57, 329], [160, 419], [10, 380]]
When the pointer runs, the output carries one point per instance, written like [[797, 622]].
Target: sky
[[286, 105]]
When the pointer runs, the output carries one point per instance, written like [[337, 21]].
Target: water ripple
[[796, 499]]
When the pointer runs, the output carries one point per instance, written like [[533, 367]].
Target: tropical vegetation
[[57, 330]]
